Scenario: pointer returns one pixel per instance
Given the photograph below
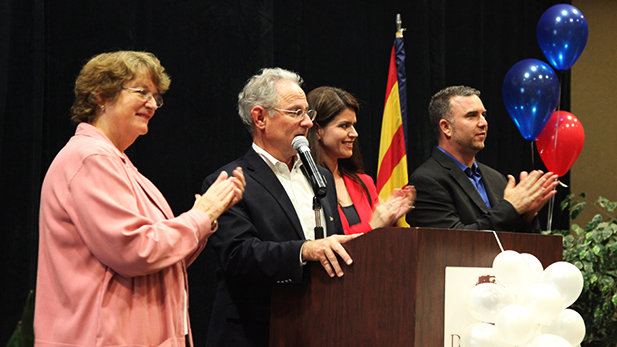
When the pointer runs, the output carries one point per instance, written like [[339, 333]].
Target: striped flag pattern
[[392, 165]]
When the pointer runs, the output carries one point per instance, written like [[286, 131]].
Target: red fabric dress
[[361, 203]]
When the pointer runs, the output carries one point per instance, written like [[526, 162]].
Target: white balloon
[[535, 265], [512, 270], [486, 300], [482, 335], [543, 302], [548, 340], [569, 325], [566, 278], [515, 324]]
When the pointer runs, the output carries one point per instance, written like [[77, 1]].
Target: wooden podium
[[393, 293]]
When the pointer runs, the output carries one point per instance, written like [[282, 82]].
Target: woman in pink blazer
[[112, 256], [334, 145]]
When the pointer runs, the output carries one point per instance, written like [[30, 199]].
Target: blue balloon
[[562, 35], [531, 93]]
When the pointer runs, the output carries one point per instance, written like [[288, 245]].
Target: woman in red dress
[[334, 145]]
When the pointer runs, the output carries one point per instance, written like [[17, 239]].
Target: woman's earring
[[103, 108]]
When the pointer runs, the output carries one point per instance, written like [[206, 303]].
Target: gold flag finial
[[399, 24]]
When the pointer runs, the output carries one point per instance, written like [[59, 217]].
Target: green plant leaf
[[589, 236], [606, 284], [607, 231], [24, 333], [606, 306], [602, 201], [598, 315], [594, 222], [566, 201], [576, 208], [576, 229], [568, 241], [583, 254], [579, 265], [598, 250], [596, 234]]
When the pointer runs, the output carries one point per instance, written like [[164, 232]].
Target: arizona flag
[[392, 165]]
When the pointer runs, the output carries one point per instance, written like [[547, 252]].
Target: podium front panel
[[393, 293]]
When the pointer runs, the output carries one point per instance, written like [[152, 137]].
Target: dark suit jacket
[[258, 244], [446, 198]]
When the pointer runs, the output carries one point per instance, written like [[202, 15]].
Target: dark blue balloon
[[531, 93], [562, 35]]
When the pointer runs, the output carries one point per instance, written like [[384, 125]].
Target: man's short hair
[[261, 90], [439, 108]]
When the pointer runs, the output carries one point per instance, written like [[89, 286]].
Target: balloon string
[[498, 241], [533, 165], [558, 109], [549, 222], [560, 85], [551, 203]]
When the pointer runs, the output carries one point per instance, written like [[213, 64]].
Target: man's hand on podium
[[324, 251]]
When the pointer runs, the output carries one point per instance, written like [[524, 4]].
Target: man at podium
[[270, 237], [455, 191]]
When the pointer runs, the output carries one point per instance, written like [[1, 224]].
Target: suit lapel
[[330, 228], [461, 178], [330, 205], [259, 171]]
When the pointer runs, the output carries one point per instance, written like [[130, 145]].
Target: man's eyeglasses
[[146, 96], [298, 114]]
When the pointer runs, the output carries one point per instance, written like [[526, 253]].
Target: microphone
[[300, 144]]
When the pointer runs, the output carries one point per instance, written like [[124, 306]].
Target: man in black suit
[[269, 236], [454, 191]]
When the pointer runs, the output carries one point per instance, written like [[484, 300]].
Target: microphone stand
[[319, 234], [318, 227]]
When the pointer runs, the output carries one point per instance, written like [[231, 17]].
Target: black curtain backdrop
[[210, 48]]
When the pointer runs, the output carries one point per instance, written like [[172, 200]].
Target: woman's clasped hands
[[225, 192]]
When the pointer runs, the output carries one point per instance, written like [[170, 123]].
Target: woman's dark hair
[[329, 102]]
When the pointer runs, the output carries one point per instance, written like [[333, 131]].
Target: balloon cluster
[[527, 306], [531, 89]]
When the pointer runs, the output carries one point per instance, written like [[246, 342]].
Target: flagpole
[[392, 164], [399, 24]]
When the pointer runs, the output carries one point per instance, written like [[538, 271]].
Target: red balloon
[[560, 142]]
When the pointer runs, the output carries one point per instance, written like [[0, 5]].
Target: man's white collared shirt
[[298, 189]]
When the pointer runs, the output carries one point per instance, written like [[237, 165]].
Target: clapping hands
[[225, 192], [391, 210], [531, 193]]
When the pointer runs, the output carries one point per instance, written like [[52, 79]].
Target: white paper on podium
[[459, 283]]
